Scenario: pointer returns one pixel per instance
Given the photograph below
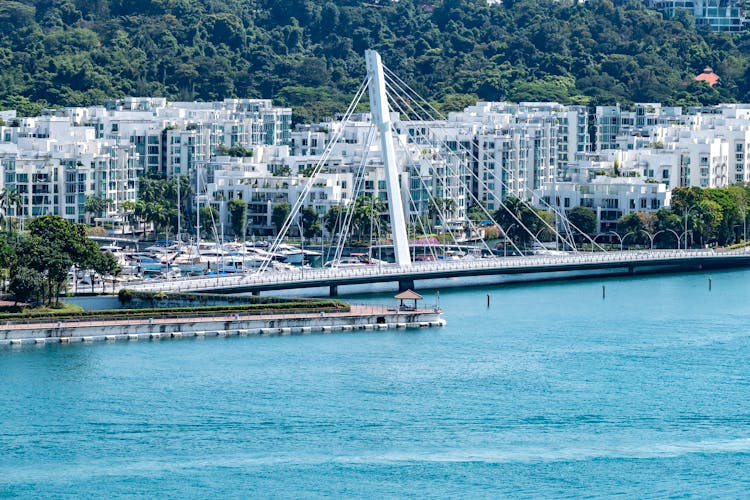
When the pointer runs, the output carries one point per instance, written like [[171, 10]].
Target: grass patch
[[61, 308], [310, 307]]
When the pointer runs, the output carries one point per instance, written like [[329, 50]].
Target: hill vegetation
[[309, 53]]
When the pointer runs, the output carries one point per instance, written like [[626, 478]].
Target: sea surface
[[551, 391]]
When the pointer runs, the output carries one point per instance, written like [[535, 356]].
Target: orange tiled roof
[[708, 76]]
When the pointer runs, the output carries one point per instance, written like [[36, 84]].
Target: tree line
[[35, 264], [309, 53], [697, 217]]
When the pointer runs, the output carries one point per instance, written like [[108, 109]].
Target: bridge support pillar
[[333, 291], [256, 293], [405, 284]]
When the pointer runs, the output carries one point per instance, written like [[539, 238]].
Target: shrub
[[125, 296]]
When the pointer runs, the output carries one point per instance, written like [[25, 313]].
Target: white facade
[[610, 197], [718, 15]]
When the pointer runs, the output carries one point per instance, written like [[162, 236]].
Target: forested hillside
[[309, 53]]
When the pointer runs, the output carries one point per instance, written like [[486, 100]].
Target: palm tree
[[10, 197], [140, 213], [95, 205], [128, 212], [4, 205]]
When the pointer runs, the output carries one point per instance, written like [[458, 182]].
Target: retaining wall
[[228, 326]]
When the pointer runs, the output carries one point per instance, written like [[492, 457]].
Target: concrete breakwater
[[213, 325]]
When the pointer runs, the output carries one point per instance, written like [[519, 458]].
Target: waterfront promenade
[[358, 317], [436, 274]]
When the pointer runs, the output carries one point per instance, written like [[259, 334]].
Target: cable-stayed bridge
[[404, 272], [459, 273]]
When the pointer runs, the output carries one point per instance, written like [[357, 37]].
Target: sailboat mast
[[179, 209], [197, 212]]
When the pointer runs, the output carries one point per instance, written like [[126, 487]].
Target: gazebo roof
[[409, 295]]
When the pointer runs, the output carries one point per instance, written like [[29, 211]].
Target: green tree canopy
[[583, 218], [309, 53], [279, 214], [238, 216]]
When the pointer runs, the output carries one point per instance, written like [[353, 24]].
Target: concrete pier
[[155, 329]]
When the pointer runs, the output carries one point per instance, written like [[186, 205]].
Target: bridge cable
[[563, 216], [309, 184]]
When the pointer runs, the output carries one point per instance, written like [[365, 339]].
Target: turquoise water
[[549, 392]]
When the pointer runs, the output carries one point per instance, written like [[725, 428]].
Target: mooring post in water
[[709, 284], [604, 292], [488, 300]]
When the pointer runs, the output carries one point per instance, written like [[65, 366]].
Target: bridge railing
[[417, 268]]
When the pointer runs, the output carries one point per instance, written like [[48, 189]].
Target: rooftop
[[708, 76]]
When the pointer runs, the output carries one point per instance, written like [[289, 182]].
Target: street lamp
[[687, 212], [650, 236], [625, 237], [744, 230], [618, 237], [677, 236], [657, 233], [593, 242]]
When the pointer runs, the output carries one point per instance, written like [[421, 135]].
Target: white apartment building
[[718, 15], [253, 182], [483, 154], [510, 149], [352, 169], [59, 159], [708, 148], [620, 128], [55, 166], [610, 197], [170, 137]]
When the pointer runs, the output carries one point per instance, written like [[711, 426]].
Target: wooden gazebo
[[408, 295]]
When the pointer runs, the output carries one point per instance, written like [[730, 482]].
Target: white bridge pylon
[[381, 119]]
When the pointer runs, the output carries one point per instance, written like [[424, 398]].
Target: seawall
[[359, 318]]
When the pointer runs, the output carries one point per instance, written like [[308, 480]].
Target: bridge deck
[[539, 265]]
